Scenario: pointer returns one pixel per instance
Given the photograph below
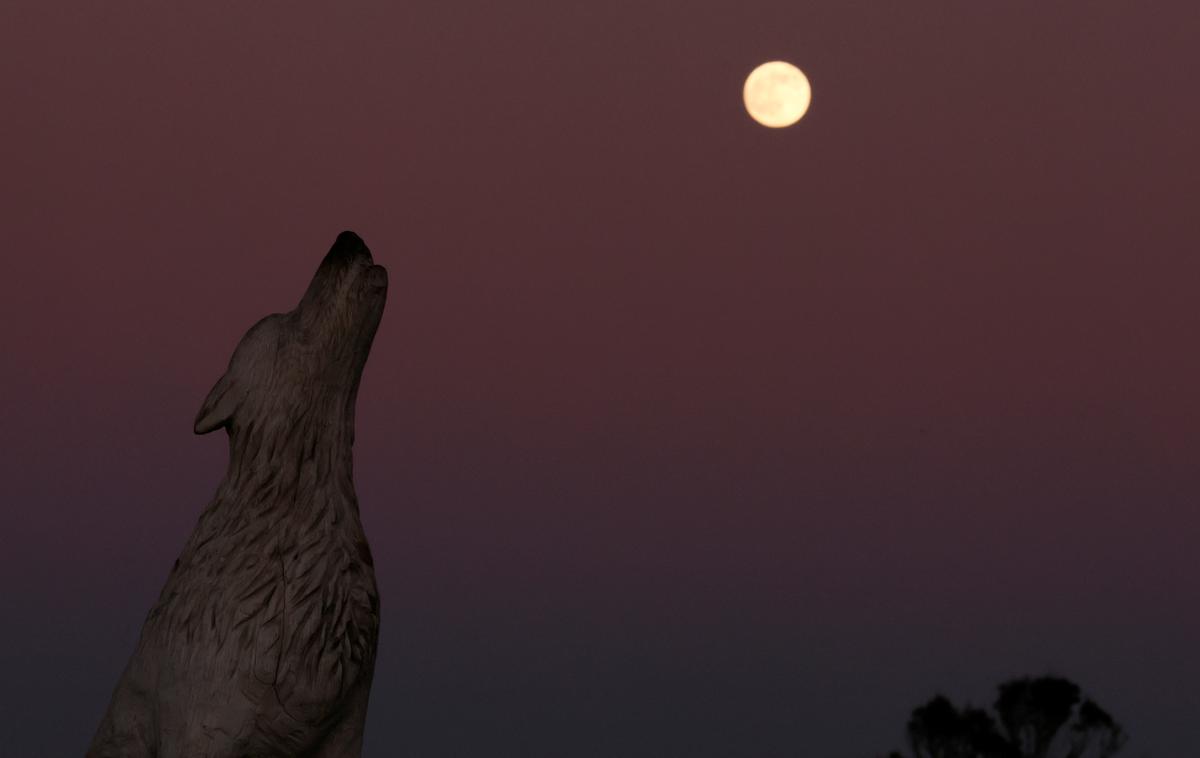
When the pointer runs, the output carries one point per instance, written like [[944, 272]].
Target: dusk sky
[[680, 436]]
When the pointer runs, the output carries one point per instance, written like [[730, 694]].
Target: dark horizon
[[679, 435]]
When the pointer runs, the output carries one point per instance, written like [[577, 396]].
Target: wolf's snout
[[350, 239], [349, 246]]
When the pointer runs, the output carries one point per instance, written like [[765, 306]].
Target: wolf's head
[[300, 370]]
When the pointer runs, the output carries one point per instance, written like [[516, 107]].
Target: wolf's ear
[[218, 407]]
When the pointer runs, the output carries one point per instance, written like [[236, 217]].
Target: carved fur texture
[[262, 643]]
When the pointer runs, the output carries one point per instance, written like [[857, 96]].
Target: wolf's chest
[[301, 619]]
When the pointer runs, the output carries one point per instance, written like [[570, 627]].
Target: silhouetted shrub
[[1044, 717]]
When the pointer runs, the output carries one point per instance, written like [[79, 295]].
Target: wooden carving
[[262, 643]]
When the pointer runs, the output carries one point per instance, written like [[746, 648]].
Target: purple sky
[[681, 436]]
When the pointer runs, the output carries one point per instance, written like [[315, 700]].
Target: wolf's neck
[[299, 466]]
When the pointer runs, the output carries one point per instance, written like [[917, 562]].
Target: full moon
[[777, 94]]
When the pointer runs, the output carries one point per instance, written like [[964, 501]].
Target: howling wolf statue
[[262, 643]]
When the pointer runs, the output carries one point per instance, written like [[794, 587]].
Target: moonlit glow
[[777, 94]]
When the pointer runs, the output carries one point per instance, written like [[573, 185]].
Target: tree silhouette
[[1034, 710], [939, 730], [1095, 727], [1040, 718]]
